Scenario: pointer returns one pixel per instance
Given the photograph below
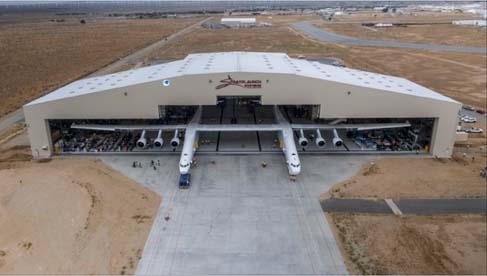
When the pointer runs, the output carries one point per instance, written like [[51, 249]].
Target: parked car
[[473, 130], [481, 111], [469, 107], [468, 119]]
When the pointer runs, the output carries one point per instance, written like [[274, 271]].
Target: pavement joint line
[[303, 225], [327, 242], [393, 207]]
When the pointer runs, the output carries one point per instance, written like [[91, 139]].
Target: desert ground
[[70, 216], [458, 177], [40, 56], [388, 244], [405, 17], [460, 76]]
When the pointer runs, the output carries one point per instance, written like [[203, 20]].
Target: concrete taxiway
[[240, 218]]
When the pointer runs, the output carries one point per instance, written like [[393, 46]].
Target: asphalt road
[[355, 206], [11, 118], [442, 206], [408, 206], [323, 35], [139, 55]]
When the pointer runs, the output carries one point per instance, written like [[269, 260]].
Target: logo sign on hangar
[[229, 81]]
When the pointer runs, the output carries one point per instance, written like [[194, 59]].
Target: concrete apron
[[239, 218]]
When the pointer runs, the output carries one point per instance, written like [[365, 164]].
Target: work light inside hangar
[[242, 102]]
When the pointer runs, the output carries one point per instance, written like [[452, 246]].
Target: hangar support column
[[443, 136], [39, 135]]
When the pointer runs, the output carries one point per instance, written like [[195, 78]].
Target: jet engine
[[303, 142], [337, 141], [158, 142], [175, 140], [320, 142], [142, 140]]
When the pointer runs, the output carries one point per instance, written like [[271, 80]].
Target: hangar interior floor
[[244, 142]]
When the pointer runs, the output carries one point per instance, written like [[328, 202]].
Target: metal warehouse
[[238, 21], [242, 102]]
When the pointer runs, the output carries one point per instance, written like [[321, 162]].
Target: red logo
[[242, 83]]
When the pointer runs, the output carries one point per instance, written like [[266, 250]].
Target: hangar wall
[[337, 100]]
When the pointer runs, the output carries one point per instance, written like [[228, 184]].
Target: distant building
[[479, 23], [383, 25], [480, 12], [239, 21]]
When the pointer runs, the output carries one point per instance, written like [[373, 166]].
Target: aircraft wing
[[241, 127], [127, 127], [199, 127], [351, 126]]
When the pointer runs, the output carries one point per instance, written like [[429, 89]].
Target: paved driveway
[[239, 218], [323, 35]]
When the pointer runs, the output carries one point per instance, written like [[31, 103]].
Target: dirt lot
[[460, 76], [458, 177], [70, 216], [387, 244], [447, 34], [38, 57]]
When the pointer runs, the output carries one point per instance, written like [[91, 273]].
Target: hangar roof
[[231, 62]]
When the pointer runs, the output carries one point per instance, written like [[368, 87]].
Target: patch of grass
[[140, 218], [358, 258], [44, 160], [26, 245]]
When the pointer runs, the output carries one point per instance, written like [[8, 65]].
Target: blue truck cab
[[184, 181]]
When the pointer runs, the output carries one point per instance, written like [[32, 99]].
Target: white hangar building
[[338, 101], [238, 21]]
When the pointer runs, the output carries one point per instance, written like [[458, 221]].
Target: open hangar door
[[414, 139], [242, 110]]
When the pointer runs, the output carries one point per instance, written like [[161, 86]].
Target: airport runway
[[239, 218], [323, 35]]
